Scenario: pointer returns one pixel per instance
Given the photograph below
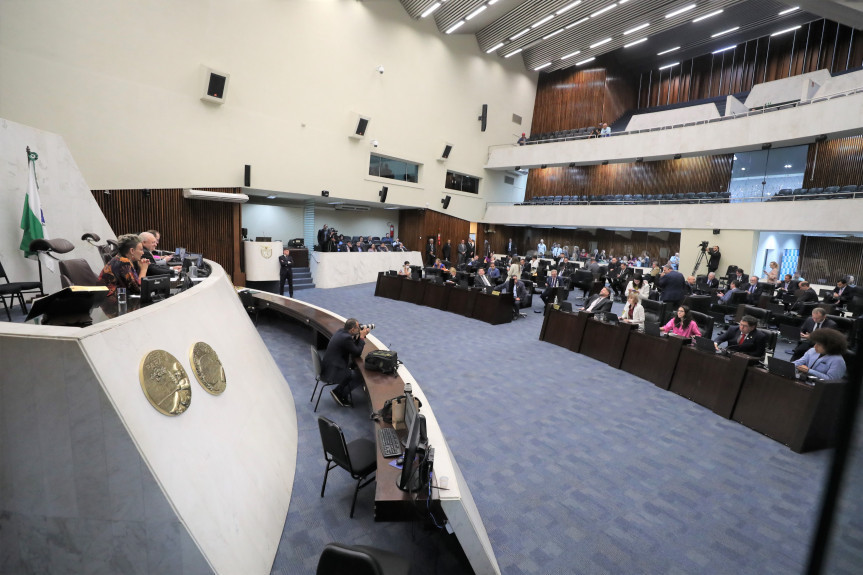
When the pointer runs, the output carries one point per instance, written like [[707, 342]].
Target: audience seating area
[[828, 193], [576, 134]]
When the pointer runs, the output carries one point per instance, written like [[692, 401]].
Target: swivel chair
[[77, 272], [360, 560]]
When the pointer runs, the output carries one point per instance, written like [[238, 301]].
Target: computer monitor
[[416, 468], [155, 288], [190, 260]]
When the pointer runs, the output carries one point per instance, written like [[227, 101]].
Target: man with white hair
[[150, 241]]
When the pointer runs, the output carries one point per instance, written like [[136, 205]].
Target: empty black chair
[[360, 560], [829, 192], [316, 366], [704, 323], [699, 303], [359, 457], [654, 311], [17, 290], [77, 272]]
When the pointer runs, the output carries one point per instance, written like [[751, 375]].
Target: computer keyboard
[[388, 439]]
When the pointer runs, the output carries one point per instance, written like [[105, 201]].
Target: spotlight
[[146, 193], [639, 160], [604, 162], [544, 166], [572, 164], [766, 146], [677, 156]]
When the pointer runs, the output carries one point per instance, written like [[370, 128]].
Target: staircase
[[302, 279]]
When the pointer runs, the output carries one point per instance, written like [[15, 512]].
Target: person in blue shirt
[[824, 360], [493, 273], [540, 248]]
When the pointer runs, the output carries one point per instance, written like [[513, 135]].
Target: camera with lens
[[368, 326], [703, 245]]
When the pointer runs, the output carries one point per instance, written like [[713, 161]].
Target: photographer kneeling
[[346, 344]]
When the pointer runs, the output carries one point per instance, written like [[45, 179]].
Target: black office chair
[[761, 314], [654, 311], [49, 247], [772, 339], [697, 303], [14, 290], [704, 323], [360, 560], [77, 272], [316, 365], [359, 457], [581, 279]]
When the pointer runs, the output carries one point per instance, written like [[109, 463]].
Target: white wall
[[281, 223], [773, 245], [122, 83], [736, 246]]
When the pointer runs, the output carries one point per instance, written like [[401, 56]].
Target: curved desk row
[[473, 303], [796, 413], [390, 502]]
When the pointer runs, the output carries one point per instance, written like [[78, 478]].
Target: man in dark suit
[[598, 302], [516, 287], [323, 236], [712, 281], [462, 250], [470, 250], [745, 338], [550, 283], [672, 285], [149, 242], [446, 251], [713, 262], [286, 272], [753, 291], [842, 294], [481, 280], [510, 248], [430, 253], [742, 278], [787, 285], [817, 320], [803, 294], [345, 345]]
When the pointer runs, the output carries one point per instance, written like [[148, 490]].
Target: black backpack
[[385, 361]]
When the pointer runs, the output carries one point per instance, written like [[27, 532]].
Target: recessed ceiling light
[[476, 12], [543, 21], [555, 33], [637, 28], [788, 165], [726, 49], [513, 53], [492, 2], [742, 169], [583, 20], [668, 65], [606, 9], [680, 11], [576, 53], [789, 11], [784, 31], [431, 9], [669, 50], [591, 59], [568, 7], [706, 16], [724, 32], [493, 48], [634, 43], [601, 42], [520, 34], [455, 27], [543, 66]]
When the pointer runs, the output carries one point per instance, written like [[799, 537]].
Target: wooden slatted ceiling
[[210, 228]]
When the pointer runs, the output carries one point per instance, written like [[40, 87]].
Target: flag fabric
[[32, 218]]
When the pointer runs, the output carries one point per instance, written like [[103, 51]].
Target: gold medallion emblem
[[207, 368], [266, 252], [165, 383]]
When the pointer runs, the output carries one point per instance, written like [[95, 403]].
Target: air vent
[[516, 119], [508, 180], [352, 208]]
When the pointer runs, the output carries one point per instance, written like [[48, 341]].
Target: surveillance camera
[[380, 69], [375, 143]]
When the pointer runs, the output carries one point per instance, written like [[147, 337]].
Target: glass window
[[462, 183], [393, 169], [762, 173]]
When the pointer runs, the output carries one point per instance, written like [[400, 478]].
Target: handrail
[[752, 112]]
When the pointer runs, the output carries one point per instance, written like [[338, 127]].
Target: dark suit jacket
[[847, 295], [477, 281], [752, 298], [336, 365], [803, 296], [713, 262], [446, 250], [671, 285], [810, 323], [714, 283], [470, 251], [755, 343], [603, 306], [163, 270], [790, 287], [520, 291], [742, 281], [510, 248], [286, 264]]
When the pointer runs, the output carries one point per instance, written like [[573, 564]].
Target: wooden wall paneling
[[835, 163], [856, 50], [417, 226], [210, 228], [827, 260], [569, 99], [843, 50], [621, 93], [411, 229]]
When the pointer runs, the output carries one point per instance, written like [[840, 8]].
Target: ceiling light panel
[[636, 29], [706, 16], [724, 32]]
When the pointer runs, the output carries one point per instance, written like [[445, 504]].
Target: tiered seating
[[828, 193], [561, 135]]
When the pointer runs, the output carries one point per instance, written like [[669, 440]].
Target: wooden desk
[[461, 301], [563, 328], [605, 342], [388, 286], [301, 257], [797, 414], [710, 379], [493, 309], [391, 503], [436, 296], [652, 358], [412, 290]]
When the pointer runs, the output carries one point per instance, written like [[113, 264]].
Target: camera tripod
[[699, 260]]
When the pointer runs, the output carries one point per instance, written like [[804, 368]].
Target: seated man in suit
[[550, 283], [689, 287], [817, 320], [598, 302], [753, 291], [787, 285], [481, 280], [842, 294], [516, 287], [745, 338], [803, 294], [336, 367], [725, 298], [493, 272], [474, 264], [712, 281], [742, 278]]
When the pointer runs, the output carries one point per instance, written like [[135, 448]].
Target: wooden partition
[[417, 226], [210, 228], [835, 163]]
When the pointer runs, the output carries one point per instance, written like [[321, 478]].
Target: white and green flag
[[33, 220]]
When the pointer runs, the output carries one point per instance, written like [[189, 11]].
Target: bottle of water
[[193, 271]]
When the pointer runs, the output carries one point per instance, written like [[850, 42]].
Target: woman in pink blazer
[[682, 324]]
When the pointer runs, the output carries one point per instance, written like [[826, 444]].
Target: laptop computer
[[652, 328], [705, 344], [611, 317], [781, 367]]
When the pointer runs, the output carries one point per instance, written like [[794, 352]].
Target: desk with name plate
[[392, 504], [800, 414], [473, 303]]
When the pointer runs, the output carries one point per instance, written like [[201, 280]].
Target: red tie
[[742, 337]]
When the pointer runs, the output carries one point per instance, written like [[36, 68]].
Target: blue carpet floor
[[576, 467]]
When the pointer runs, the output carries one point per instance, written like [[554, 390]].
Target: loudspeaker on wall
[[215, 86], [445, 201], [359, 126], [383, 194], [247, 176]]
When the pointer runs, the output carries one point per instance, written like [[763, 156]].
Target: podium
[[262, 265]]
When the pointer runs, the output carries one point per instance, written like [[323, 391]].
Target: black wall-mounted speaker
[[325, 193], [484, 116], [716, 232], [446, 150], [383, 194], [362, 124], [445, 201], [247, 176]]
